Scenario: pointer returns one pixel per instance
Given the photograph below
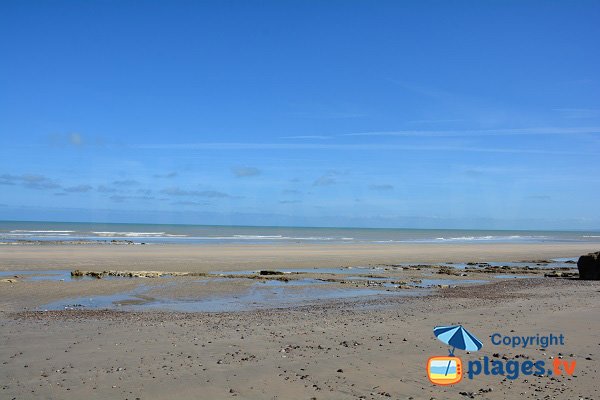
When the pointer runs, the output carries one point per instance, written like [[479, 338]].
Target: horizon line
[[595, 230]]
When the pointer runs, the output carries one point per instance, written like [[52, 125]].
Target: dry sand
[[371, 349]]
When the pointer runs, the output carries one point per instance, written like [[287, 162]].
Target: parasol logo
[[448, 370]]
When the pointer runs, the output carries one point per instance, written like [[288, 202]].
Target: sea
[[13, 231]]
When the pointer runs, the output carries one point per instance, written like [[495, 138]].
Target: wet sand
[[206, 258], [373, 347], [334, 351]]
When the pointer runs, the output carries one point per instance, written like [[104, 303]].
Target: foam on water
[[199, 234]]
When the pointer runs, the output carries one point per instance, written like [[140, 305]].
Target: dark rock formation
[[269, 272], [589, 266]]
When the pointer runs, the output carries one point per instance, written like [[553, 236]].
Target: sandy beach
[[371, 347], [224, 257], [299, 200]]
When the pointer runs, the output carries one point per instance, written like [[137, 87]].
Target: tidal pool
[[49, 275], [260, 295]]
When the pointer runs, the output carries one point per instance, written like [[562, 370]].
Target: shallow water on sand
[[273, 291], [267, 294], [50, 275], [554, 263]]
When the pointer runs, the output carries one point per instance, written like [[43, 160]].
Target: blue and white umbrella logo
[[457, 337]]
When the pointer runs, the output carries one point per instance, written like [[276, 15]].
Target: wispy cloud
[[245, 172], [190, 203], [7, 179], [540, 197], [38, 182], [126, 182], [168, 175], [177, 191], [123, 198], [477, 171], [483, 132], [118, 199], [327, 179], [473, 172], [67, 139], [105, 189], [435, 121], [381, 187], [328, 114], [308, 137], [75, 139], [579, 113], [425, 91], [78, 189], [355, 147], [289, 201]]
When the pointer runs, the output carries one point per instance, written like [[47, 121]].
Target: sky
[[416, 114]]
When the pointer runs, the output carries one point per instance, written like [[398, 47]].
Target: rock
[[558, 274], [447, 271], [269, 272], [589, 266], [8, 280], [133, 274]]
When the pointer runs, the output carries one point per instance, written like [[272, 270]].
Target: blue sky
[[340, 113]]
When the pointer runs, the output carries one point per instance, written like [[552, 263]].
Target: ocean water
[[205, 234]]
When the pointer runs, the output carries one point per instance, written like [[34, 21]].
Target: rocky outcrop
[[589, 266], [270, 272], [560, 274], [132, 274], [444, 270]]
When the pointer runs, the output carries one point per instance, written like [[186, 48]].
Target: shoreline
[[226, 257]]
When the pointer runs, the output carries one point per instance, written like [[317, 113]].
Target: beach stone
[[589, 266]]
